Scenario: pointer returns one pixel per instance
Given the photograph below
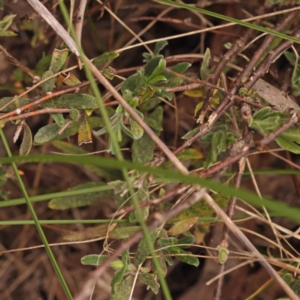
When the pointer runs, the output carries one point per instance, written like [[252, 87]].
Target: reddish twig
[[43, 99]]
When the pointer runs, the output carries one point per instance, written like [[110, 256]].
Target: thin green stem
[[36, 220]]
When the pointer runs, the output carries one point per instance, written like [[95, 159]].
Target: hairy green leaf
[[26, 144], [18, 102], [48, 85], [79, 101], [93, 259], [143, 250], [58, 59], [123, 232], [124, 289], [143, 149], [104, 58], [81, 200], [150, 280], [204, 70]]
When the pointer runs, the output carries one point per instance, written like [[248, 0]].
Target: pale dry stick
[[79, 19], [289, 233], [126, 26], [240, 235], [134, 281], [41, 9], [264, 209], [271, 242], [207, 29]]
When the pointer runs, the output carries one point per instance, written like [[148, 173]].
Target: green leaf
[[218, 145], [296, 286], [78, 101], [155, 119], [58, 59], [222, 255], [26, 144], [71, 80], [143, 149], [189, 153], [50, 132], [120, 273], [143, 250], [48, 86], [74, 114], [108, 73], [189, 259], [147, 94], [93, 259], [116, 280], [87, 233], [5, 23], [130, 83], [162, 263], [204, 69], [150, 280], [182, 226], [181, 67], [190, 134], [104, 58], [46, 133], [72, 149], [43, 64], [136, 130], [201, 209], [57, 117], [154, 68], [124, 289], [157, 79], [188, 240], [123, 232], [159, 46], [18, 102], [265, 122], [84, 132], [290, 140], [148, 105], [81, 200]]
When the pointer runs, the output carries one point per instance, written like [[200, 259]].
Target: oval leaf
[[27, 140]]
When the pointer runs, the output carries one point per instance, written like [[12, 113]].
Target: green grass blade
[[275, 206]]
